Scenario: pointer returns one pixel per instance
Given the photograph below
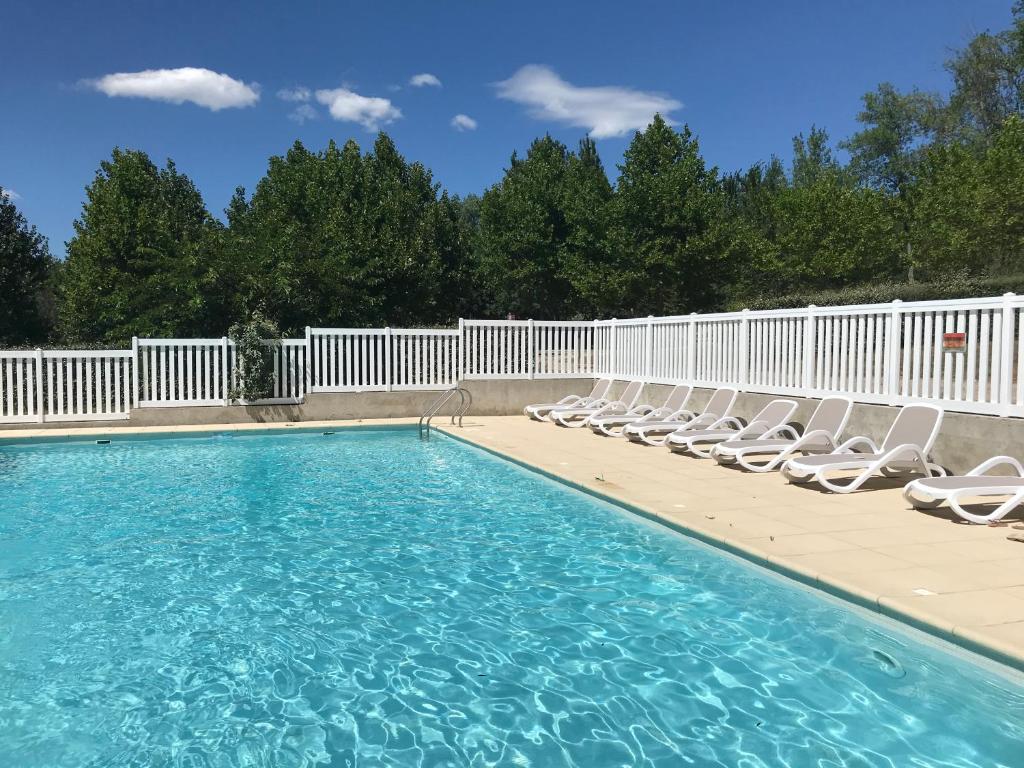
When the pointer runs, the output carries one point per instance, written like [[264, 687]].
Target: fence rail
[[967, 355]]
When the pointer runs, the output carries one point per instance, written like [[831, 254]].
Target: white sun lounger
[[905, 449], [930, 492], [699, 442], [715, 414], [539, 411], [821, 435], [575, 416], [639, 414]]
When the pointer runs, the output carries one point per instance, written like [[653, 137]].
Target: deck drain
[[888, 664]]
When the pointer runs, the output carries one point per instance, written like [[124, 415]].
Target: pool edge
[[89, 434], [960, 637]]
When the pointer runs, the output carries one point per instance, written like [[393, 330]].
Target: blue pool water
[[364, 599]]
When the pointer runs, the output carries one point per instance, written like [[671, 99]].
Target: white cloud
[[298, 93], [604, 111], [371, 112], [302, 113], [463, 123], [425, 78], [9, 194], [204, 87]]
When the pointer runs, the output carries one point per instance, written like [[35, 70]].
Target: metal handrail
[[465, 402]]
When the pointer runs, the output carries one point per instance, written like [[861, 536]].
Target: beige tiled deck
[[964, 581]]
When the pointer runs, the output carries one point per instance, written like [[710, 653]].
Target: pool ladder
[[465, 401]]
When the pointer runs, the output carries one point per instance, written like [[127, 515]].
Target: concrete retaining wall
[[495, 397]]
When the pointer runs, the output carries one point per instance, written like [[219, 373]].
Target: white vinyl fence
[[967, 355]]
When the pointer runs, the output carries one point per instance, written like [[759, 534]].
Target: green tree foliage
[[970, 206], [138, 262], [673, 252], [988, 83], [886, 152], [540, 231], [342, 238], [817, 229], [24, 266]]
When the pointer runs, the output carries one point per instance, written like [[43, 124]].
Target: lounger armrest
[[614, 408], [782, 430], [682, 414], [997, 461], [753, 428], [913, 449], [570, 399], [816, 434], [848, 446], [726, 421], [641, 410], [704, 421]]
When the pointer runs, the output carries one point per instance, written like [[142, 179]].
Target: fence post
[[612, 351], [460, 367], [40, 405], [224, 369], [744, 372], [530, 357], [133, 371], [387, 360], [307, 365], [691, 348], [649, 347], [1007, 352], [892, 359], [810, 333]]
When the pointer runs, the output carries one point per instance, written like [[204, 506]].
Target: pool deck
[[962, 582]]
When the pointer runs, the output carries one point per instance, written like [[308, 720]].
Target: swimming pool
[[363, 598]]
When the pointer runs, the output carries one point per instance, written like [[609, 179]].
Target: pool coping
[[1004, 654], [87, 434]]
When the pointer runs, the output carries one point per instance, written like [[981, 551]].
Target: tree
[[540, 244], [668, 229], [586, 197], [341, 238], [988, 83], [24, 265], [137, 264], [812, 158], [885, 153], [970, 211]]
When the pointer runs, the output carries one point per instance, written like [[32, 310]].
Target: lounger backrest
[[631, 393], [677, 397], [775, 414], [831, 416], [916, 424], [721, 402], [600, 388]]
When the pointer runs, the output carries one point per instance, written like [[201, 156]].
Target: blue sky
[[747, 76]]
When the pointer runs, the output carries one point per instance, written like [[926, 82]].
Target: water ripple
[[369, 600]]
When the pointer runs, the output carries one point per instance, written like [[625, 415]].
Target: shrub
[[254, 357], [956, 286]]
